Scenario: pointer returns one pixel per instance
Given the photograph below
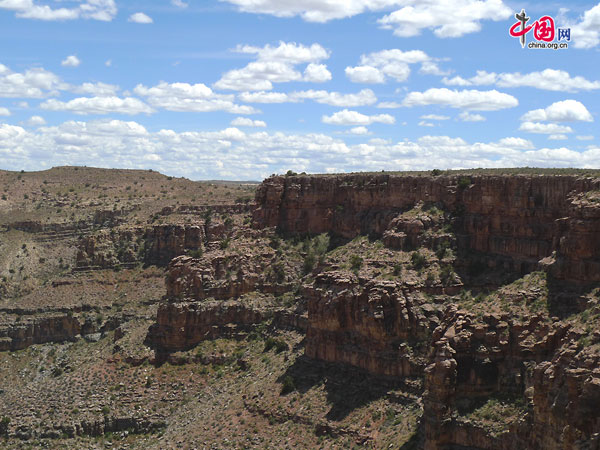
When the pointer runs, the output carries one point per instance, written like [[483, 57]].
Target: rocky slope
[[380, 310]]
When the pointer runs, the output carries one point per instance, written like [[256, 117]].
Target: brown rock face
[[182, 325], [513, 217], [535, 360], [39, 330], [372, 326]]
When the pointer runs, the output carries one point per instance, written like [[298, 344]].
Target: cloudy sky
[[240, 89]]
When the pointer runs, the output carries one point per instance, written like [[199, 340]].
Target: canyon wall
[[513, 218]]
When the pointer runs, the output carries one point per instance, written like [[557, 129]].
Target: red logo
[[543, 30]]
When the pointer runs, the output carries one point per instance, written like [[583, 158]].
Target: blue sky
[[240, 89]]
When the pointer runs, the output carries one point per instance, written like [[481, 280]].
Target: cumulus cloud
[[235, 154], [276, 65], [586, 32], [70, 61], [190, 97], [140, 17], [33, 83], [548, 79], [360, 131], [96, 89], [565, 111], [264, 97], [317, 73], [545, 128], [394, 63], [246, 122], [467, 99], [103, 10], [446, 19], [434, 117], [365, 74], [389, 105], [468, 117], [314, 11], [361, 98], [558, 137], [347, 117], [99, 105], [4, 111], [36, 121]]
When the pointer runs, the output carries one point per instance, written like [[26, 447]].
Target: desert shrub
[[464, 182], [196, 253], [418, 260], [288, 385], [356, 263], [447, 275], [278, 344]]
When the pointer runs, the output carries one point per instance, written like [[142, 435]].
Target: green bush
[[356, 263], [278, 344], [418, 260], [288, 385], [464, 182]]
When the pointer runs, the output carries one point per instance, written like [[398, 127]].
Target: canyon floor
[[436, 310]]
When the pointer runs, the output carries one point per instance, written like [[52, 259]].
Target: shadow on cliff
[[348, 388]]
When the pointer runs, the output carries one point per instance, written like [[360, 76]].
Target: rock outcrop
[[375, 326], [510, 219]]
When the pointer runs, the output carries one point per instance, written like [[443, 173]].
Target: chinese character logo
[[544, 31]]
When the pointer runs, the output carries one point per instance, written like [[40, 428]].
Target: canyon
[[444, 310]]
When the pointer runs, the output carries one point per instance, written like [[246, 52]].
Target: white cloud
[[4, 111], [431, 68], [96, 89], [448, 19], [586, 33], [140, 17], [544, 128], [36, 121], [468, 117], [190, 97], [264, 97], [33, 83], [360, 131], [389, 105], [393, 63], [423, 123], [179, 3], [548, 79], [108, 63], [232, 153], [361, 98], [70, 61], [313, 11], [365, 74], [317, 73], [99, 105], [434, 117], [246, 122], [276, 65], [346, 117], [103, 10], [558, 137], [467, 99], [565, 111], [584, 138]]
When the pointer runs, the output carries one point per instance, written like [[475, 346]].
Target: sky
[[242, 89]]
